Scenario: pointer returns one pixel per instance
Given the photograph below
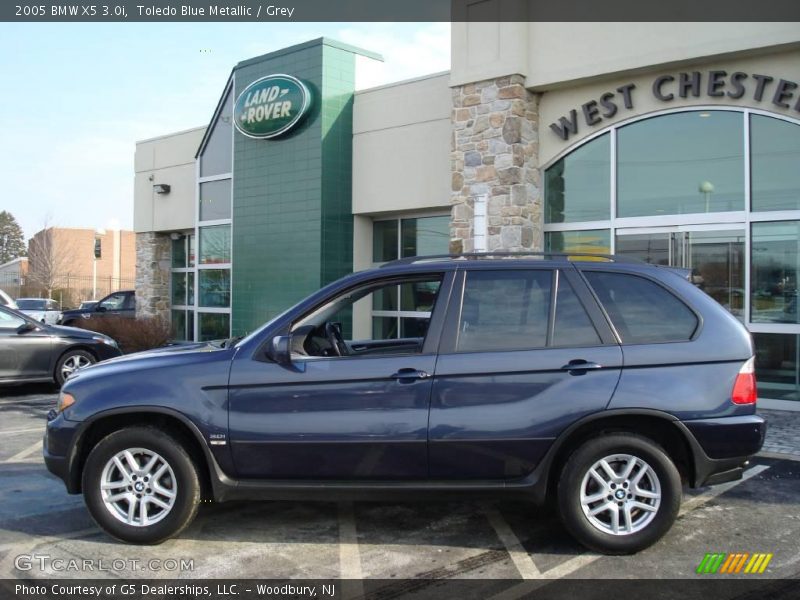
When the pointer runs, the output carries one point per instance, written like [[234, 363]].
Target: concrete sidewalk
[[783, 432]]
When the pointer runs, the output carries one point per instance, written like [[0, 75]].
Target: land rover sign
[[271, 106]]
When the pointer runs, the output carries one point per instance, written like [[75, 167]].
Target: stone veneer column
[[153, 254], [495, 151]]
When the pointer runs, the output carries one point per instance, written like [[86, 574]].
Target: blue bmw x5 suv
[[599, 383]]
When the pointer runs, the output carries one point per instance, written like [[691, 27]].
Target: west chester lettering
[[265, 104], [691, 84]]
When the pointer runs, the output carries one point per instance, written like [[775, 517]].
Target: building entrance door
[[716, 257]]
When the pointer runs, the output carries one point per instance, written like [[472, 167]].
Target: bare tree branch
[[48, 257]]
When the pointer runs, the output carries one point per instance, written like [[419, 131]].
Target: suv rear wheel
[[619, 493], [141, 486]]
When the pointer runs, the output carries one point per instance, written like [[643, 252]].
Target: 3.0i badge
[[271, 106]]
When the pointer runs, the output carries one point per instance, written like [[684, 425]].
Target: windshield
[[31, 304]]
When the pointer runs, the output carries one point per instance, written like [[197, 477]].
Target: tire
[[179, 478], [70, 361], [653, 481]]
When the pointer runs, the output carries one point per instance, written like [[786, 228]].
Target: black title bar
[[398, 10]]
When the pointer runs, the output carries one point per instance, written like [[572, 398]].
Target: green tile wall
[[292, 219]]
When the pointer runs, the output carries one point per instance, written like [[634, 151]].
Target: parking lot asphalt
[[426, 539]]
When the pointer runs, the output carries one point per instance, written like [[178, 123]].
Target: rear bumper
[[721, 447]]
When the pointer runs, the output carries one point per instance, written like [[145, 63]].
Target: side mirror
[[25, 328], [279, 349], [101, 309]]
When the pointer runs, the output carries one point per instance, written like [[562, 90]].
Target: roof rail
[[566, 256]]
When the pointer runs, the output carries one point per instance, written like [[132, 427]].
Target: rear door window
[[513, 310], [641, 310], [573, 327], [505, 310]]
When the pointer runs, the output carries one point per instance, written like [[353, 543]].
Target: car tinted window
[[505, 310], [573, 327], [31, 304], [113, 302], [9, 320], [642, 311]]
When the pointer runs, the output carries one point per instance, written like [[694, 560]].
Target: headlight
[[85, 315], [65, 400], [105, 340]]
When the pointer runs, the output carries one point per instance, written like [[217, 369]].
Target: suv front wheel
[[619, 493], [140, 485]]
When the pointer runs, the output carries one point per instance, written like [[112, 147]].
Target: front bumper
[[721, 448], [59, 450]]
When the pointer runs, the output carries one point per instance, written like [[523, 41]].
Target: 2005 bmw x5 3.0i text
[[602, 384]]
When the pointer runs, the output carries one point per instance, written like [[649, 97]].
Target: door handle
[[410, 374], [580, 366]]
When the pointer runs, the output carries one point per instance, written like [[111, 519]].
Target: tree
[[48, 261], [12, 241]]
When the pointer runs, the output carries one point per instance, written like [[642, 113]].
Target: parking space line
[[15, 431], [519, 556], [24, 453], [582, 560], [349, 555], [698, 501]]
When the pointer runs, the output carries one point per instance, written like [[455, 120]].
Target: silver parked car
[[45, 310]]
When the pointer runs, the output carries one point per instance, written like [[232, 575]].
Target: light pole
[[706, 188], [98, 253]]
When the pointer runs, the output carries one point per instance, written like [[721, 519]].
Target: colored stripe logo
[[733, 563]]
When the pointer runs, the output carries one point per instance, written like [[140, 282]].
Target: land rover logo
[[271, 106]]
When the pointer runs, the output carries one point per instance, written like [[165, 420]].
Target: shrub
[[133, 335]]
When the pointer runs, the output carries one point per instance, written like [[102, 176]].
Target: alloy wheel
[[620, 494], [72, 364], [138, 487]]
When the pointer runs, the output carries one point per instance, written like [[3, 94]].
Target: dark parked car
[[34, 351], [119, 304], [600, 385]]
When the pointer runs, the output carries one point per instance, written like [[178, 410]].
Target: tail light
[[744, 389]]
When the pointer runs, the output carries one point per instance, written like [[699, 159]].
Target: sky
[[74, 99]]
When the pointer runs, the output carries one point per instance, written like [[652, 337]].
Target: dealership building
[[674, 143]]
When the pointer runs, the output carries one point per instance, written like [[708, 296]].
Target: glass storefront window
[[384, 240], [391, 240], [179, 325], [385, 328], [179, 288], [183, 252], [775, 256], [425, 236], [777, 366], [213, 326], [774, 160], [215, 200], [419, 236], [215, 244], [179, 253], [216, 157], [215, 287], [588, 240], [577, 187], [683, 163]]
